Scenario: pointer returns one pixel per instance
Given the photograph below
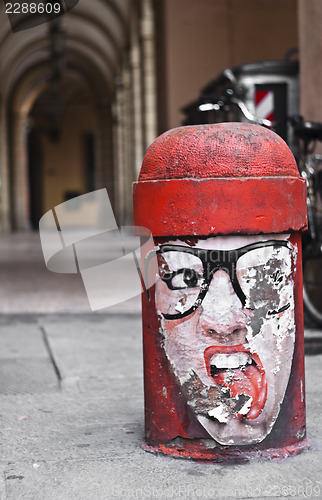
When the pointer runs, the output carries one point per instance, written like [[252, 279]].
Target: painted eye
[[186, 278]]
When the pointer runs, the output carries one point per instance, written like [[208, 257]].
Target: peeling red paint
[[168, 416], [247, 205], [218, 179], [197, 451], [218, 150]]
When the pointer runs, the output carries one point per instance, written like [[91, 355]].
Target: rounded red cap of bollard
[[222, 178]]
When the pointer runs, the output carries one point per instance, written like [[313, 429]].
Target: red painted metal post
[[223, 324]]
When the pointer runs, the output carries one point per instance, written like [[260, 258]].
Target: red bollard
[[223, 325]]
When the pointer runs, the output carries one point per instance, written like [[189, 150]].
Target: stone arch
[[95, 41]]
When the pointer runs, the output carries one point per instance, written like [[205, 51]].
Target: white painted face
[[233, 353]]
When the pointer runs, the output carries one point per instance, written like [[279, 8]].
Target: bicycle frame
[[308, 133]]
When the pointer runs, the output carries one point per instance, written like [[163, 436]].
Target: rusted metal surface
[[224, 178], [244, 205], [218, 150], [223, 325]]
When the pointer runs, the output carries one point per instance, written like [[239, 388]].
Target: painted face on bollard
[[227, 314]]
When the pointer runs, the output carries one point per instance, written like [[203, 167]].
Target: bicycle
[[310, 168]]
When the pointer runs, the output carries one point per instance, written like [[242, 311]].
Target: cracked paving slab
[[84, 441]]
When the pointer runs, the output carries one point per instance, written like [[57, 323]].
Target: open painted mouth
[[241, 375]]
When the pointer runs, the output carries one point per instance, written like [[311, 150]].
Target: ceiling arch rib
[[106, 19], [26, 91], [111, 16], [77, 25], [36, 80], [123, 9], [82, 62], [13, 47], [22, 65], [92, 76], [35, 83], [35, 54], [5, 31], [100, 28], [84, 53], [94, 38]]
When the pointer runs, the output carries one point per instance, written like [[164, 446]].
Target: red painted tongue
[[250, 381]]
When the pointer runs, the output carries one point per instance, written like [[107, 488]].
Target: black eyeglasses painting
[[212, 261]]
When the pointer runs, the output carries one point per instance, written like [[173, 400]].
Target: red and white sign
[[264, 104]]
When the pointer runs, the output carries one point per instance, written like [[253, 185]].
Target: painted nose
[[222, 310]]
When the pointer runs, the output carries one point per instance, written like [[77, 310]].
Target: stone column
[[104, 175], [137, 94], [20, 181], [149, 72], [310, 46], [121, 145], [5, 223]]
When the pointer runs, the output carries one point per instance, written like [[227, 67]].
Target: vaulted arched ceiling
[[96, 34]]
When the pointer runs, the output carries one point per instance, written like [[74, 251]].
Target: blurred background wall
[[83, 96]]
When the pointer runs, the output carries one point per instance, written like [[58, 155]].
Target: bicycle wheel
[[312, 290]]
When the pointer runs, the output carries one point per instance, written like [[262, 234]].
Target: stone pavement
[[26, 286], [71, 421], [72, 407]]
